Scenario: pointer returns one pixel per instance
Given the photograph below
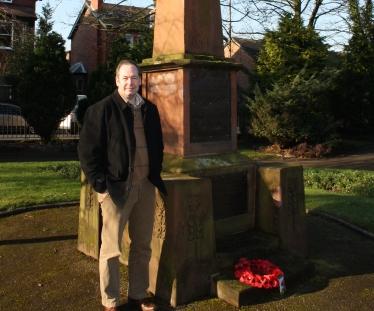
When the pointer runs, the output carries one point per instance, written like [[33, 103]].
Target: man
[[121, 154]]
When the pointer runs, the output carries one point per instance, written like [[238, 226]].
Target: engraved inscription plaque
[[229, 192], [210, 106]]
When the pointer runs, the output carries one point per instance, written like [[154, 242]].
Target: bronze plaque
[[229, 195], [210, 105]]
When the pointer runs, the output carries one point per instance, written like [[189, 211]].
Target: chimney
[[96, 4]]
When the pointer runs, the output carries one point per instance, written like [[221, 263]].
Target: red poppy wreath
[[258, 273]]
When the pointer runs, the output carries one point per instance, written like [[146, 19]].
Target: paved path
[[359, 159]]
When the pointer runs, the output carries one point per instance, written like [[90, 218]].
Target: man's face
[[128, 81]]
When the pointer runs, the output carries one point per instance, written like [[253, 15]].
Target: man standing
[[121, 153]]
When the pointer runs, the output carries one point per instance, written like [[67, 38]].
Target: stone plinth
[[197, 104], [209, 197], [192, 26], [281, 207], [183, 243], [233, 187]]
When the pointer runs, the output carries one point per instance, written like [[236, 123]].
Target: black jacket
[[107, 145]]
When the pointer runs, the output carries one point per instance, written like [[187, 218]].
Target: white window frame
[[130, 38], [7, 35], [7, 1]]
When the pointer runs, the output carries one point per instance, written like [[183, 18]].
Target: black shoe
[[143, 304]]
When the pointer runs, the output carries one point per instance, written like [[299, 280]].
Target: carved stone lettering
[[210, 106], [90, 200], [159, 229], [163, 83], [194, 217]]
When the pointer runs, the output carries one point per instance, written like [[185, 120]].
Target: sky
[[66, 12]]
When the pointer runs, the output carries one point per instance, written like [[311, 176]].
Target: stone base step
[[228, 288], [248, 244]]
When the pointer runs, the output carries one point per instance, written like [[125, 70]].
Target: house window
[[130, 38], [79, 83], [8, 1], [6, 35]]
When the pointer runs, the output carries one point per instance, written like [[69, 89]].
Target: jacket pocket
[[114, 174]]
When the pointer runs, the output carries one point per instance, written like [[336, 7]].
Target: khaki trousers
[[139, 212]]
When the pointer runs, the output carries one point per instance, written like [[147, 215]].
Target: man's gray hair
[[127, 62]]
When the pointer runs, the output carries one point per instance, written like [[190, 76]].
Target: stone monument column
[[190, 81], [192, 27], [194, 89]]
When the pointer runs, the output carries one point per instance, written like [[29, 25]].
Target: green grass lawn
[[29, 183], [356, 209]]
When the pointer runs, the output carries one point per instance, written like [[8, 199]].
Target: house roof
[[251, 47], [18, 11], [78, 68], [111, 16]]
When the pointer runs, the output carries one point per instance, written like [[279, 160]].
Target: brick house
[[16, 17], [244, 51], [96, 26]]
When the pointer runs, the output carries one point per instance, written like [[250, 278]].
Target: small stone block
[[231, 290], [238, 294]]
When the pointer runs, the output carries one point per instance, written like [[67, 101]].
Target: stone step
[[249, 244], [228, 288]]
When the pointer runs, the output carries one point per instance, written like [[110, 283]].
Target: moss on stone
[[191, 164], [206, 61]]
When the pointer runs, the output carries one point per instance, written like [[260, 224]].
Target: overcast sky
[[66, 11]]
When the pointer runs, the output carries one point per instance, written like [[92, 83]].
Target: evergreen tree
[[17, 57], [359, 105], [46, 90], [287, 50], [295, 112]]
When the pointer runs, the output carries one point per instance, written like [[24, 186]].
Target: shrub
[[341, 181], [294, 113], [71, 171]]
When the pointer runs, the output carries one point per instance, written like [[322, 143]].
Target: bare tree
[[256, 16]]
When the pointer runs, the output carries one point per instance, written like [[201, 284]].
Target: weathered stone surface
[[226, 287], [233, 197], [192, 26], [250, 243], [280, 207], [197, 107], [183, 243], [89, 220]]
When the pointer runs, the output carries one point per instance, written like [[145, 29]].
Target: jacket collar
[[121, 102]]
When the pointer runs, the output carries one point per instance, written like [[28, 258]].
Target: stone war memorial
[[221, 206]]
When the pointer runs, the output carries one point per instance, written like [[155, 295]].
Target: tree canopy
[[46, 90], [102, 82], [259, 16], [287, 50], [358, 109]]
